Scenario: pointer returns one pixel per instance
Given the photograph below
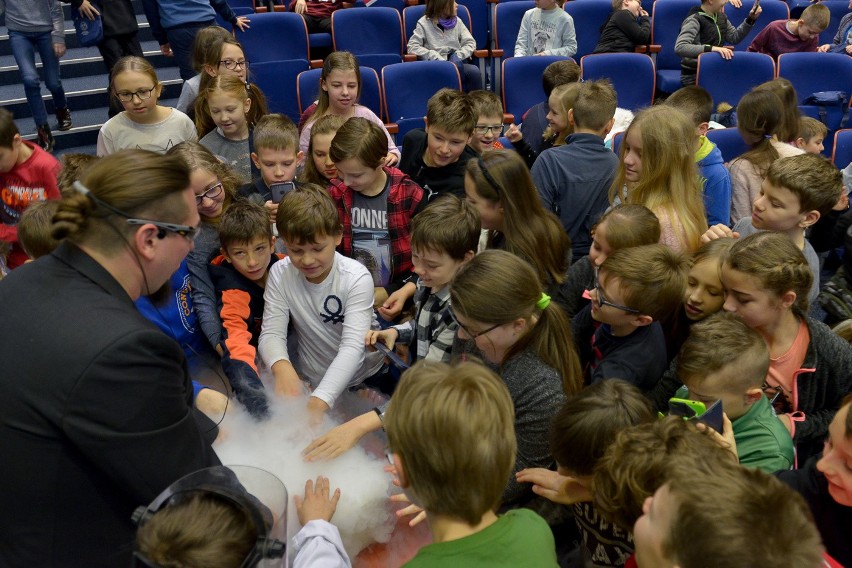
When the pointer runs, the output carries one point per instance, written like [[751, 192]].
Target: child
[[658, 171], [842, 42], [759, 117], [585, 427], [796, 192], [723, 359], [239, 279], [788, 128], [204, 39], [316, 13], [825, 484], [546, 29], [143, 124], [226, 102], [276, 155], [767, 280], [326, 296], [375, 204], [634, 289], [572, 179], [728, 516], [34, 228], [534, 120], [627, 27], [444, 238], [467, 411], [340, 88], [697, 104], [812, 132], [214, 185], [435, 157], [788, 36], [319, 169], [561, 101], [489, 122], [499, 186], [223, 55], [38, 27], [632, 226], [498, 304], [707, 29], [27, 174], [441, 36]]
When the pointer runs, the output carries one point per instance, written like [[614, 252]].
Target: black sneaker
[[45, 138], [63, 117]]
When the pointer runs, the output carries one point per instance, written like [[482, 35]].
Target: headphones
[[223, 483]]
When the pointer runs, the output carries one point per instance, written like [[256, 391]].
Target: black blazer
[[96, 414]]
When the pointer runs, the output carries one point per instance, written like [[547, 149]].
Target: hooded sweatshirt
[[716, 182]]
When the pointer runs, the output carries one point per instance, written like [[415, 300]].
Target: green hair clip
[[543, 302]]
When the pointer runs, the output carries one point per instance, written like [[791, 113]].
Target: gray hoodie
[[35, 16]]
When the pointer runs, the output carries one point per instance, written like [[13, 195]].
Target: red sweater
[[32, 180], [775, 39]]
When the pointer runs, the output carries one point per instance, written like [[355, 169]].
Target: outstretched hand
[[318, 503]]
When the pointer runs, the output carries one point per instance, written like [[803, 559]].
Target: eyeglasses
[[211, 192], [141, 94], [488, 177], [234, 64], [467, 332], [604, 302], [484, 129], [183, 230]]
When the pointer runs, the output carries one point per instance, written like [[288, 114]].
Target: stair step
[[71, 36]]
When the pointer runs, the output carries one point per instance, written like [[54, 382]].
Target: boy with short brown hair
[[812, 132], [466, 410], [435, 157], [789, 36], [489, 121], [634, 289]]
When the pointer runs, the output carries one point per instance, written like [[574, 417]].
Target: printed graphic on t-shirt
[[156, 147], [332, 310], [606, 543], [14, 198], [370, 239], [184, 304], [542, 33]]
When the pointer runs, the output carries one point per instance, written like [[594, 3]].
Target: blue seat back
[[478, 13], [632, 75], [308, 86], [668, 15], [842, 153], [729, 141], [727, 80], [407, 87], [506, 24], [813, 72], [522, 82], [589, 16], [772, 10], [838, 9], [275, 36], [277, 80], [373, 35]]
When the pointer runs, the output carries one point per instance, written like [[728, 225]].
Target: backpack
[[89, 32], [825, 99]]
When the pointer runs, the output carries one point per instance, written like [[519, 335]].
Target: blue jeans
[[181, 39], [24, 46]]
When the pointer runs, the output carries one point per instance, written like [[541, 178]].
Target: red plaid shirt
[[404, 197]]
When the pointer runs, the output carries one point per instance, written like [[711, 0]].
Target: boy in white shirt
[[546, 29], [327, 297]]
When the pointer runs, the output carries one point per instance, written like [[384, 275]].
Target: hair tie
[[543, 302]]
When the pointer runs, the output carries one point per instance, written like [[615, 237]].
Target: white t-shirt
[[121, 133], [330, 320]]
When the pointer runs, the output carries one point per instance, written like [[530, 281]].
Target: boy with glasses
[[619, 335], [489, 123]]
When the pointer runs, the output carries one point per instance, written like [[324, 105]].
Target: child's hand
[[396, 301], [736, 3], [166, 50], [725, 52], [317, 505], [316, 410], [88, 10], [212, 403], [411, 509], [386, 336], [59, 49], [287, 381], [719, 231], [553, 486], [513, 133], [755, 12], [301, 6], [272, 209], [242, 23], [842, 203], [391, 160], [824, 48], [726, 438], [644, 13], [335, 442]]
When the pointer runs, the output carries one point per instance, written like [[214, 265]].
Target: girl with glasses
[[499, 305], [214, 185], [143, 124]]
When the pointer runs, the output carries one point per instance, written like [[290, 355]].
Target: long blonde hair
[[566, 95], [668, 182]]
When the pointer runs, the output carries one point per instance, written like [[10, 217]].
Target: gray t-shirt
[[745, 228], [371, 244], [235, 153]]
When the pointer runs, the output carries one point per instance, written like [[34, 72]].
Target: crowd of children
[[549, 297]]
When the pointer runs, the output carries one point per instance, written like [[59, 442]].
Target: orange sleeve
[[235, 311]]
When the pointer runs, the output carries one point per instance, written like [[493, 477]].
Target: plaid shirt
[[432, 326], [404, 198]]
